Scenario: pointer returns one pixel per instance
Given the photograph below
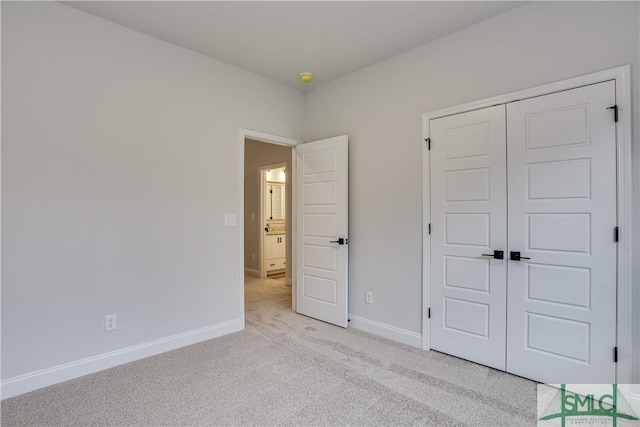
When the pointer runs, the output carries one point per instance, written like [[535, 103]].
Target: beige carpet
[[285, 369]]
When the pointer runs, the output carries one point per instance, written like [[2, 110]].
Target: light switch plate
[[229, 220]]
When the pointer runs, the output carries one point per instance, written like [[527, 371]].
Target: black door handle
[[515, 256], [496, 254], [340, 241]]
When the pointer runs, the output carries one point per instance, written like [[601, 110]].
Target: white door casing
[[562, 215], [469, 219], [321, 220]]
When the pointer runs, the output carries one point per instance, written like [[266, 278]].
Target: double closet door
[[523, 254]]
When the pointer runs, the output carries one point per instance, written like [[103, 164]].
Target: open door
[[322, 230]]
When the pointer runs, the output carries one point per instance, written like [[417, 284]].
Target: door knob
[[496, 254], [515, 256], [340, 241]]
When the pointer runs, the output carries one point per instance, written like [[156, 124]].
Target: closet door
[[562, 214], [469, 223]]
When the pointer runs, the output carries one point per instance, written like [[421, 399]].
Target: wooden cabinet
[[275, 253]]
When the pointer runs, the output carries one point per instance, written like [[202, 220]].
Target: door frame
[[276, 140], [263, 218], [622, 77]]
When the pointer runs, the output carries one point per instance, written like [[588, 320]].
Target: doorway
[[317, 258], [257, 150], [274, 216], [267, 210]]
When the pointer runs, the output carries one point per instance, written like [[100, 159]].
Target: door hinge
[[429, 313], [428, 141], [429, 228], [615, 354], [616, 234], [615, 112]]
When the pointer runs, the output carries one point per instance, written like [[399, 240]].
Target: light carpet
[[285, 369]]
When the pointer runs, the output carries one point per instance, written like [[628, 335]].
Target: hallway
[[260, 292]]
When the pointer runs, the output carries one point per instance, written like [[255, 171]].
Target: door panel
[[562, 199], [322, 218], [468, 211]]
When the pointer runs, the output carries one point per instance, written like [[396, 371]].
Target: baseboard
[[634, 401], [251, 272], [57, 374], [391, 332]]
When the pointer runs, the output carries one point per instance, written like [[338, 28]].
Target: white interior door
[[322, 229], [562, 215], [469, 222]]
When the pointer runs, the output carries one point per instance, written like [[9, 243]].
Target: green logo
[[566, 404]]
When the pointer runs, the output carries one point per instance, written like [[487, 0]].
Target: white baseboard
[[391, 332], [634, 401], [57, 374], [251, 272]]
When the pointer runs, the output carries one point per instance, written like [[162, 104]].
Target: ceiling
[[280, 39]]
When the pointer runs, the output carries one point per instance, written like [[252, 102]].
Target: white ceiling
[[279, 40]]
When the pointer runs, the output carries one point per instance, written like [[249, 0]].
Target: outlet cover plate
[[230, 220], [110, 322]]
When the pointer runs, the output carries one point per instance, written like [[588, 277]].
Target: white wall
[[380, 109], [119, 160]]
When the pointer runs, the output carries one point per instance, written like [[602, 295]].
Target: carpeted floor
[[285, 369]]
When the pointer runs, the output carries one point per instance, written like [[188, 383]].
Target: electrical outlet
[[110, 322], [253, 216], [253, 257], [229, 220], [368, 297]]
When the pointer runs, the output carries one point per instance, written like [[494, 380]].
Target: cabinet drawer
[[276, 264]]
